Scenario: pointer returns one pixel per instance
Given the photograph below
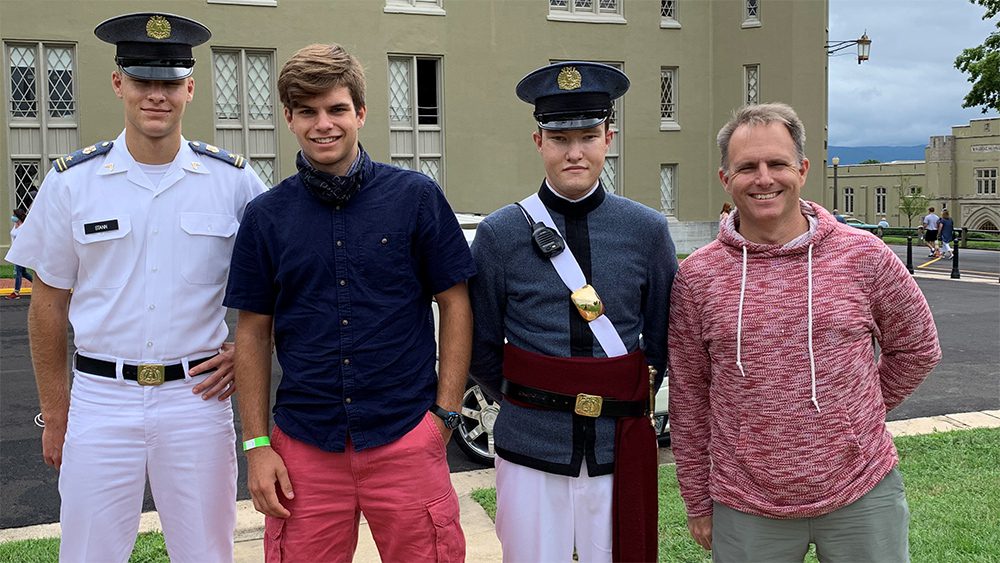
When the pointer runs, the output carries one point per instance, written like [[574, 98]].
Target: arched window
[[987, 225]]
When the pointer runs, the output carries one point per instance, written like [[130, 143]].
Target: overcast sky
[[910, 89]]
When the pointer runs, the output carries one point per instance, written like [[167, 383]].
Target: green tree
[[982, 64], [870, 161], [912, 201]]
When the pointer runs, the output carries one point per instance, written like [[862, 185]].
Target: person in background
[[883, 222], [930, 223], [778, 398], [727, 208], [19, 271], [140, 231], [840, 218], [946, 233]]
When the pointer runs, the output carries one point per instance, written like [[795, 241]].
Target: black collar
[[571, 208]]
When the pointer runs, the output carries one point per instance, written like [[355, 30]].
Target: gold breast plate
[[588, 405], [588, 303], [150, 374]]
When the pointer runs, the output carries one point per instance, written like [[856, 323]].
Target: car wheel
[[475, 433]]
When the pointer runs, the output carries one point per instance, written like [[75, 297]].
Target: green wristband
[[256, 443]]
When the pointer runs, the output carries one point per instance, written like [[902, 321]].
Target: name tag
[[100, 226]]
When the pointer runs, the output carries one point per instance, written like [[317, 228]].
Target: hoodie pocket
[[798, 462]]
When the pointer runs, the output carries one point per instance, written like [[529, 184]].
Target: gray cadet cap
[[154, 46], [572, 95]]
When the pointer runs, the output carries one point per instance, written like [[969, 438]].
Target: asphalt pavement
[[967, 312]]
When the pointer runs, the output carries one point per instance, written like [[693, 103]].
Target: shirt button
[[343, 283], [151, 307], [347, 362], [156, 231], [347, 400], [156, 269], [149, 344], [340, 243], [385, 241], [345, 322], [338, 209]]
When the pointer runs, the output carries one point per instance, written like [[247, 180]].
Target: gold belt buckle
[[588, 303], [588, 405], [150, 374]]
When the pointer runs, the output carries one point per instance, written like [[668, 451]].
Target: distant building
[[959, 172], [441, 77]]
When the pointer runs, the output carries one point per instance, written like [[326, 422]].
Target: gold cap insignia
[[158, 28], [569, 78], [588, 303]]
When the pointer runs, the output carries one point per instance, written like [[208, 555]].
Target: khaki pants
[[874, 528]]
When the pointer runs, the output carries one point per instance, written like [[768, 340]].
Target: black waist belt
[[582, 404], [104, 368]]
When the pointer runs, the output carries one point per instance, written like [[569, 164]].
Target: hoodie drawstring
[[812, 358], [739, 316], [739, 323]]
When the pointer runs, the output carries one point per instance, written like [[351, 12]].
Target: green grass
[[952, 484], [6, 270], [149, 548]]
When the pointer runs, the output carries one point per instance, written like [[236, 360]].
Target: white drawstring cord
[[812, 359], [739, 317]]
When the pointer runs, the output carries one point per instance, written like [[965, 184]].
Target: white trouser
[[541, 516], [119, 431], [945, 247]]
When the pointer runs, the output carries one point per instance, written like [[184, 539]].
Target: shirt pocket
[[106, 256], [207, 247], [385, 259]]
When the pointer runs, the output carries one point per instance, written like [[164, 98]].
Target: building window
[[416, 128], [751, 84], [668, 15], [246, 2], [668, 189], [668, 99], [593, 11], [880, 195], [245, 107], [986, 181], [42, 111], [420, 7], [751, 13], [848, 200]]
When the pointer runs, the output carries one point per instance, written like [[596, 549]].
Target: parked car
[[479, 412]]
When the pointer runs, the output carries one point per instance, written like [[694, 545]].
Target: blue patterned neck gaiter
[[336, 190]]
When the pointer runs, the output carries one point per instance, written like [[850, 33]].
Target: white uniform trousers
[[541, 516], [119, 431]]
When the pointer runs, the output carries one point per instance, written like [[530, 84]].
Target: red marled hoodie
[[796, 434]]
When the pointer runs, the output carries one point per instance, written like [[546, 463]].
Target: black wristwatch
[[451, 418]]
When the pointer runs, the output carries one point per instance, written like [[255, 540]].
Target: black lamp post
[[836, 163], [864, 46]]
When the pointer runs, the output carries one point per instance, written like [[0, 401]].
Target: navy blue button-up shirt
[[350, 290]]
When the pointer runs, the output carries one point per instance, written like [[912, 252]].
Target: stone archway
[[981, 217]]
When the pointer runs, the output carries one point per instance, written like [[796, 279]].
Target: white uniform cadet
[[146, 253]]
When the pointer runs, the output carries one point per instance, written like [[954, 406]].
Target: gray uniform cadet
[[625, 251], [145, 249]]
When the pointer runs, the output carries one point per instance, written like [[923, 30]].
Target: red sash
[[634, 506]]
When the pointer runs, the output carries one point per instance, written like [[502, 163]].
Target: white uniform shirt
[[151, 289]]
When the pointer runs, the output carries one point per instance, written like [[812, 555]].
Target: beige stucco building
[[441, 77], [960, 173]]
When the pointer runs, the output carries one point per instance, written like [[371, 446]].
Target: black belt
[[104, 368], [582, 404]]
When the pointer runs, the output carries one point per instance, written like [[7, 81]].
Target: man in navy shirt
[[342, 259]]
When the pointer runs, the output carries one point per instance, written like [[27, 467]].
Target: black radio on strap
[[548, 241]]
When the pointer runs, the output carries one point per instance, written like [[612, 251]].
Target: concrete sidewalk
[[482, 543]]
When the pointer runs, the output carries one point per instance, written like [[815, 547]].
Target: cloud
[[909, 90]]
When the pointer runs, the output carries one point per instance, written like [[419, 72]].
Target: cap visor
[[158, 72], [572, 124]]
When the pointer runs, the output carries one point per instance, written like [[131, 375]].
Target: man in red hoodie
[[777, 395]]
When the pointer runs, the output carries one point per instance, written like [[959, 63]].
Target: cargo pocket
[[449, 540], [105, 250], [208, 247], [274, 531]]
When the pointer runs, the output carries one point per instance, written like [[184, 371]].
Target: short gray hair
[[763, 114]]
